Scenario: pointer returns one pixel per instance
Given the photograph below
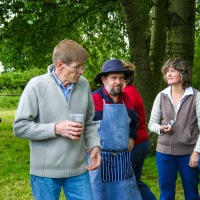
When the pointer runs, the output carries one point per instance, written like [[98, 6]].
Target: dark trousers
[[138, 155]]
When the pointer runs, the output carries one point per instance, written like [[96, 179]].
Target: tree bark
[[158, 41], [181, 29], [136, 15]]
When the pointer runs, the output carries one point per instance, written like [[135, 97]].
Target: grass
[[14, 165], [14, 162]]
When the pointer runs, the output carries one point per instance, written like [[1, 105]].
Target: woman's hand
[[167, 129], [194, 159]]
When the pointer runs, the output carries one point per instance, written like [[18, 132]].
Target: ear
[[103, 79], [59, 63], [125, 83]]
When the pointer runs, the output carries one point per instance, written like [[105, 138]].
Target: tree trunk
[[136, 16], [158, 41], [181, 30]]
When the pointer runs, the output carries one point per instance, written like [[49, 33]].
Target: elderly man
[[57, 145], [117, 125]]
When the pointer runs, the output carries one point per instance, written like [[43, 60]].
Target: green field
[[14, 165]]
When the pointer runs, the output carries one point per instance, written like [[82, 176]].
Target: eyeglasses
[[77, 68]]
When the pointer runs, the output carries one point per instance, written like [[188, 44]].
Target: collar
[[188, 91], [70, 86]]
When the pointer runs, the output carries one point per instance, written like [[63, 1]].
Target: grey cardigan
[[41, 106], [184, 139]]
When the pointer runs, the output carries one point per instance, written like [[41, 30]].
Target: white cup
[[76, 118]]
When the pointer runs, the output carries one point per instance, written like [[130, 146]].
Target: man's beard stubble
[[114, 91]]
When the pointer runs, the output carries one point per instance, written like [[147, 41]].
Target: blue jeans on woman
[[168, 167], [138, 154], [77, 187]]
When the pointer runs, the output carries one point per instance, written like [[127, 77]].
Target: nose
[[118, 81], [168, 73]]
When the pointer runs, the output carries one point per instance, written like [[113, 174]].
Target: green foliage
[[31, 29], [98, 27], [196, 68], [37, 27], [9, 102], [14, 82], [196, 65]]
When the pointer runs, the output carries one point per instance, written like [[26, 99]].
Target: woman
[[175, 117]]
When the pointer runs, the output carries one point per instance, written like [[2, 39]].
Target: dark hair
[[129, 66], [182, 66]]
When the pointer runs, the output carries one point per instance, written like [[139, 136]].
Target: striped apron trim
[[115, 166]]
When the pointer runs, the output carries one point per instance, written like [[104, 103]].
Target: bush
[[15, 82], [9, 102]]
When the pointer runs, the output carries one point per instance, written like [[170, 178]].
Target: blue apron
[[114, 179]]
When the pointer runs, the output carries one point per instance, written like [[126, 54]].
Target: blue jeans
[[77, 187], [168, 167], [138, 154]]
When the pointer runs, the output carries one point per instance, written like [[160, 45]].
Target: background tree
[[28, 39], [196, 66], [181, 29], [158, 41], [136, 15], [156, 30]]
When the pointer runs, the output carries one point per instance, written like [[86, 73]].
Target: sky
[[1, 67]]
